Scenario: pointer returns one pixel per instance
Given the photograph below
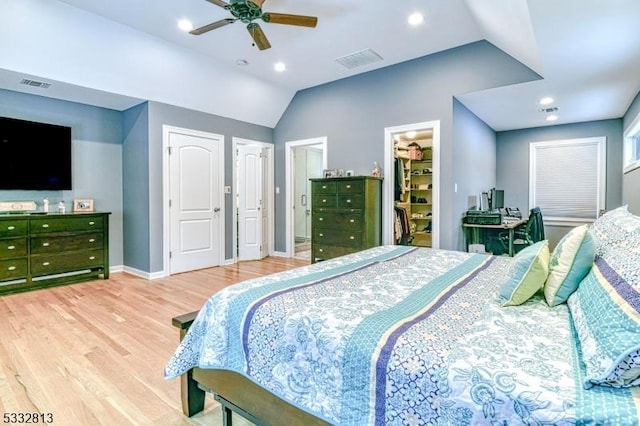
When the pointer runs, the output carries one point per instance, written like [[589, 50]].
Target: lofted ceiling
[[117, 53]]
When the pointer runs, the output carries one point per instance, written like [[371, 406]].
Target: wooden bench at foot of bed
[[235, 393]]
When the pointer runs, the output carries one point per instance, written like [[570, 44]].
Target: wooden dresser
[[346, 215], [42, 250]]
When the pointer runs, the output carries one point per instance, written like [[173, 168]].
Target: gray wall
[[474, 164], [135, 171], [512, 157], [163, 114], [631, 180], [353, 113], [96, 156]]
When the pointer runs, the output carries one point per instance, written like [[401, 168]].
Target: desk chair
[[526, 235]]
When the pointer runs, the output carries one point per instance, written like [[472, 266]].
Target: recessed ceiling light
[[280, 66], [416, 19], [546, 101], [242, 62], [185, 25], [552, 117]]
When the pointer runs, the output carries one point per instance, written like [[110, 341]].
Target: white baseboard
[[280, 254], [144, 274]]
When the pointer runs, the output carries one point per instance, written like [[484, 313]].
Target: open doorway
[[253, 199], [305, 159], [416, 175]]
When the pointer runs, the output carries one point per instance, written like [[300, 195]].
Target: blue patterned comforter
[[397, 336]]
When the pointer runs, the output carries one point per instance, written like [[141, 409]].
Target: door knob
[[216, 209]]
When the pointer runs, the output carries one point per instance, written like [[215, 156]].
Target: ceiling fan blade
[[258, 36], [284, 18], [212, 26], [257, 2], [219, 3]]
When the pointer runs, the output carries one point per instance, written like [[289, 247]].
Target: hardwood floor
[[93, 353]]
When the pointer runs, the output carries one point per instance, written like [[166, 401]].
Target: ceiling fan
[[247, 11]]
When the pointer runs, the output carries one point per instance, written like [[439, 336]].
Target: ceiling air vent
[[34, 83], [358, 59]]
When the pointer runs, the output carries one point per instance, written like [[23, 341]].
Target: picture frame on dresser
[[329, 173], [82, 205]]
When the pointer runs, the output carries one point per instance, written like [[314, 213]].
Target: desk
[[472, 231]]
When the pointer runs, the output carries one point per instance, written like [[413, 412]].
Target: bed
[[398, 335]]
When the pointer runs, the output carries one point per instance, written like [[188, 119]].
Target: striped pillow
[[606, 314]]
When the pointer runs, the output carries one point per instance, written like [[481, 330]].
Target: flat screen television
[[34, 156]]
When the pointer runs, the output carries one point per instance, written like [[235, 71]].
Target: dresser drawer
[[66, 224], [13, 247], [355, 201], [350, 187], [13, 269], [323, 218], [55, 263], [328, 252], [324, 187], [13, 228], [323, 200], [337, 237], [45, 244]]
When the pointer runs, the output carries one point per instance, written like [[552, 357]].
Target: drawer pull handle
[[352, 237], [45, 244], [92, 240], [11, 228], [45, 263], [324, 186], [348, 201], [92, 223], [46, 225], [348, 186], [352, 220], [11, 268], [11, 247], [321, 218], [324, 200], [321, 234], [320, 249], [92, 258]]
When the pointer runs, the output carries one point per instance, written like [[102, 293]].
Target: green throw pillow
[[570, 262], [526, 275]]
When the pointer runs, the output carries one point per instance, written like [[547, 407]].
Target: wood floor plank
[[93, 353]]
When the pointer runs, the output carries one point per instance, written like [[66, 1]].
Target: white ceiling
[[116, 53]]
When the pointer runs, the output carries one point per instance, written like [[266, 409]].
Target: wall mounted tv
[[34, 156]]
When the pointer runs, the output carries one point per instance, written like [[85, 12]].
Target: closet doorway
[[412, 184], [306, 159]]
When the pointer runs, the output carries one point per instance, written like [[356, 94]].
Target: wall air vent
[[358, 59], [548, 110], [34, 83]]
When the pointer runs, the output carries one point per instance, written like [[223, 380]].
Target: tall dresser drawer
[[13, 269], [322, 201], [13, 228], [325, 187], [67, 224], [342, 220], [65, 262], [13, 247], [329, 252], [44, 244], [337, 237], [355, 201], [350, 187]]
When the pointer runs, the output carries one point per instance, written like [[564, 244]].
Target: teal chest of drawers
[[346, 215], [39, 251]]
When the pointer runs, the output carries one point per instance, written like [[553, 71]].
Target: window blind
[[567, 181]]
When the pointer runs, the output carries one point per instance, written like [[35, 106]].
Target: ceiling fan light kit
[[247, 11]]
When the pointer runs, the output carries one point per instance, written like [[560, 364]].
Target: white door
[[251, 212], [195, 200]]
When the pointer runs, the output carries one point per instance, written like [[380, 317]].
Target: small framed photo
[[82, 205], [329, 173]]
